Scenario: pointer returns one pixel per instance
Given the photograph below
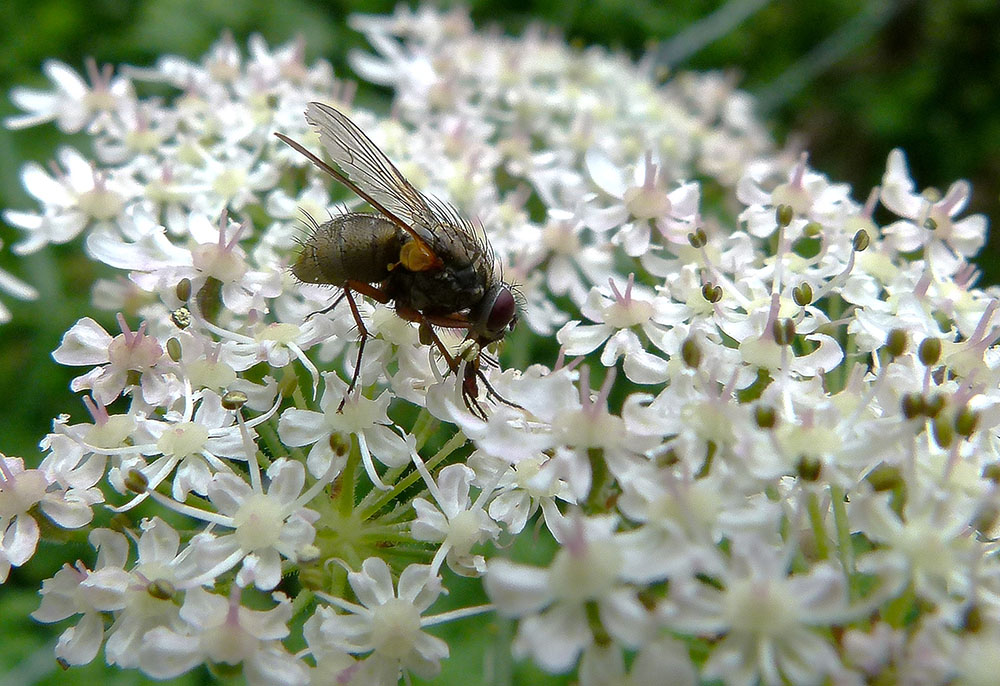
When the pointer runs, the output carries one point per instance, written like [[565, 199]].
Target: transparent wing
[[368, 168]]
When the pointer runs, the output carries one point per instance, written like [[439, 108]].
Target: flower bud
[[991, 472], [861, 241], [691, 353], [802, 294], [183, 290], [711, 292], [929, 351], [765, 416], [933, 405], [972, 618], [161, 589], [912, 405], [783, 331], [136, 481], [966, 422], [174, 349], [896, 342], [234, 400], [884, 477], [783, 215], [808, 468], [942, 431]]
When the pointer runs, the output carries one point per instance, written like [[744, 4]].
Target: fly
[[415, 253]]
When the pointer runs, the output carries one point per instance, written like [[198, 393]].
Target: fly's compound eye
[[502, 312]]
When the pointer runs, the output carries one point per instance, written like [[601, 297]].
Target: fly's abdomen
[[349, 247]]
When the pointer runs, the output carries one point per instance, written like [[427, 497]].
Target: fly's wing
[[371, 172], [434, 224]]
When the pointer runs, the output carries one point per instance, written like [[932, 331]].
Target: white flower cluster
[[792, 481]]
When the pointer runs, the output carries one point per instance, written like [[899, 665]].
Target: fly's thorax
[[349, 247], [447, 290]]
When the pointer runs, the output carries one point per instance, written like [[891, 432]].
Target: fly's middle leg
[[363, 333]]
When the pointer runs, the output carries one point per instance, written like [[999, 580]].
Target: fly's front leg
[[428, 337], [470, 390]]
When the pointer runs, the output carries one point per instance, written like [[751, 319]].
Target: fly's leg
[[470, 390], [428, 336], [473, 373], [328, 309], [492, 392], [363, 333]]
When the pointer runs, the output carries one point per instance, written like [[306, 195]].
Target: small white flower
[[617, 319], [161, 569], [87, 343], [221, 631], [74, 104], [78, 196], [20, 491], [78, 590], [591, 567], [457, 523], [765, 616], [388, 624], [360, 417], [267, 525], [927, 218]]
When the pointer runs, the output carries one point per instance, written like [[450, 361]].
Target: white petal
[[645, 368], [65, 78], [287, 479], [78, 645], [581, 339], [517, 589], [554, 639], [166, 654], [604, 173], [20, 539], [373, 584], [86, 343], [418, 586], [302, 427]]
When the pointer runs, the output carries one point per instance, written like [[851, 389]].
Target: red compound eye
[[502, 312]]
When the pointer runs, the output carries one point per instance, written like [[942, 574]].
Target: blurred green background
[[849, 79]]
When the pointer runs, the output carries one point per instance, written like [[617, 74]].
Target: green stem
[[348, 479], [404, 537], [599, 478], [453, 443], [845, 549], [819, 531], [424, 427], [271, 440]]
